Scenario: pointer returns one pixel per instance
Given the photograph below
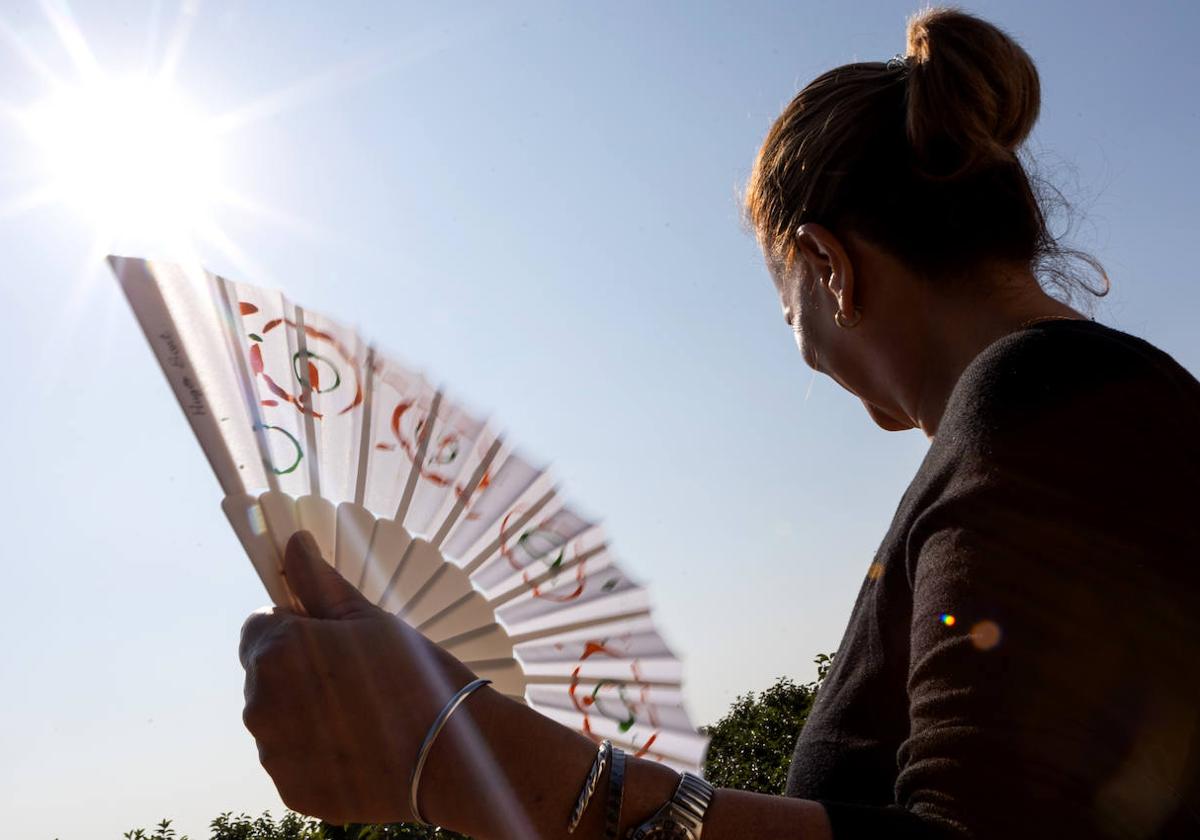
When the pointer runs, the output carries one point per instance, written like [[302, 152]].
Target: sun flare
[[131, 155]]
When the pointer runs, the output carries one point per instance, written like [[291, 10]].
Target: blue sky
[[537, 203]]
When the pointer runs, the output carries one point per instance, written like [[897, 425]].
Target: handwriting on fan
[[194, 404]]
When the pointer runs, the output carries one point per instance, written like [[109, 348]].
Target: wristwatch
[[682, 817]]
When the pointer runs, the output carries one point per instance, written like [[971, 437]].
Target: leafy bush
[[752, 745], [295, 827]]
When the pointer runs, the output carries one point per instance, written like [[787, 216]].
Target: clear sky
[[537, 203]]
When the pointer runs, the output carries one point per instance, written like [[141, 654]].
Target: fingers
[[259, 626], [320, 589]]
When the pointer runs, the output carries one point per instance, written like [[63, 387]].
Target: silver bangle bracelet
[[430, 736], [589, 784]]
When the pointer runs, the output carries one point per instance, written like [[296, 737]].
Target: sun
[[134, 155], [130, 155]]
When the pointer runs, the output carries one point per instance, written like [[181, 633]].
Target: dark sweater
[[1023, 659]]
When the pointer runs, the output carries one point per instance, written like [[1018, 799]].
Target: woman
[[1022, 655]]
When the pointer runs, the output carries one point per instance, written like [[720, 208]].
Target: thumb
[[317, 586]]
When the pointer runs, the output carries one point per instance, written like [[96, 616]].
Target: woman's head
[[917, 154], [887, 188]]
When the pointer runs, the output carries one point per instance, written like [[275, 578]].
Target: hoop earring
[[846, 323]]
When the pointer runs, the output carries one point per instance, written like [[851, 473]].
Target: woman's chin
[[886, 421]]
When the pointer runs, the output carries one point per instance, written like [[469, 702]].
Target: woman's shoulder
[[1070, 380]]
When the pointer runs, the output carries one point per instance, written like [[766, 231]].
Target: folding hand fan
[[421, 505]]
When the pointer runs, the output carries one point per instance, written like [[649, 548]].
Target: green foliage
[[242, 827], [295, 827], [162, 831], [752, 745]]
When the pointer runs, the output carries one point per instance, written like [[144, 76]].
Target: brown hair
[[917, 154]]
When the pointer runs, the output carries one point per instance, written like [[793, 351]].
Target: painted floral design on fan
[[610, 698], [542, 549], [296, 453], [407, 423], [326, 364]]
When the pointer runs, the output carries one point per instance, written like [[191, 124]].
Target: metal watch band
[[682, 818], [689, 803]]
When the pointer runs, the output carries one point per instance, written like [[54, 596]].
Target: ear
[[822, 250]]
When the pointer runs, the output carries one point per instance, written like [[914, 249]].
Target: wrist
[[500, 769], [459, 766]]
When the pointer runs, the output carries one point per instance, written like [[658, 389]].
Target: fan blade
[[279, 512], [319, 517], [354, 525], [446, 586], [419, 568], [505, 674], [470, 612], [330, 368], [263, 331], [401, 403], [390, 544], [488, 452], [489, 642]]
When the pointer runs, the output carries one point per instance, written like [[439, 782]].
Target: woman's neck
[[959, 329]]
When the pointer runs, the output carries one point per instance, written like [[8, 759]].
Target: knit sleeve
[[1052, 688], [1054, 635]]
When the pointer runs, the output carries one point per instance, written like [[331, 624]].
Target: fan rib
[[446, 610], [395, 576], [306, 396], [567, 679], [410, 486], [467, 636], [245, 379], [429, 583], [364, 440], [469, 489], [536, 635]]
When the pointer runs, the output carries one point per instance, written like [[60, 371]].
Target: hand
[[339, 700]]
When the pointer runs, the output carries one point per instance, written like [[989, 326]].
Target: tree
[[295, 827], [752, 745]]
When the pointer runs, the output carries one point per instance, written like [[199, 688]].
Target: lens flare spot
[[985, 635], [947, 619]]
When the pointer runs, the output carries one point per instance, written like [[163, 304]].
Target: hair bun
[[973, 92]]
